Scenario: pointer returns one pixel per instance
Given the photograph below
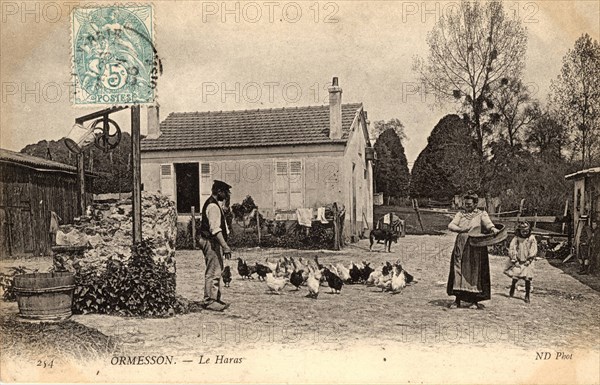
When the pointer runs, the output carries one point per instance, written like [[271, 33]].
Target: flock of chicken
[[312, 274]]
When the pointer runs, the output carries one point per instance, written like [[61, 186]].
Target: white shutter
[[167, 182], [296, 178], [281, 185], [289, 185], [205, 183]]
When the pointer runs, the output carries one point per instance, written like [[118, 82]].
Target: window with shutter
[[167, 180], [165, 170], [289, 185], [205, 183], [281, 185], [296, 185]]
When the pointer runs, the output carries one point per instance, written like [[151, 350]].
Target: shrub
[[7, 282], [240, 211], [184, 235], [282, 234], [140, 287]]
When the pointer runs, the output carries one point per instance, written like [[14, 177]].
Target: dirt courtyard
[[563, 315]]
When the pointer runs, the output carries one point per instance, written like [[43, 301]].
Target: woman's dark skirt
[[469, 278]]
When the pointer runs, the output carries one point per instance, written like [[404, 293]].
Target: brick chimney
[[335, 110], [153, 122]]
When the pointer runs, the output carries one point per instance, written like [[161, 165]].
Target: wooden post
[[341, 221], [258, 225], [416, 207], [336, 227], [534, 218], [521, 209], [565, 212], [137, 174], [193, 210], [81, 184], [366, 222]]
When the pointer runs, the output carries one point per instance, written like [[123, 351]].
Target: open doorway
[[188, 187]]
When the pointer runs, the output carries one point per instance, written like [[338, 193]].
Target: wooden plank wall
[[27, 197]]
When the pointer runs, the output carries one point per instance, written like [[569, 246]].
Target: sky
[[233, 55]]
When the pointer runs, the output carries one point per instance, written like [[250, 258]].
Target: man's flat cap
[[221, 186]]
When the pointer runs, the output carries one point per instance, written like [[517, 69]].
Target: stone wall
[[106, 232]]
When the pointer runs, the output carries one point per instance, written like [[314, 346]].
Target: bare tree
[[516, 109], [576, 95], [473, 51], [546, 136]]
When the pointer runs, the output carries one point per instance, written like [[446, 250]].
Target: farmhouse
[[286, 158], [30, 188]]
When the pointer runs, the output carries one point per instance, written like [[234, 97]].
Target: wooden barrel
[[45, 296]]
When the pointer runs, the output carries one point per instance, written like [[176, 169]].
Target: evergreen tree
[[392, 176], [449, 164]]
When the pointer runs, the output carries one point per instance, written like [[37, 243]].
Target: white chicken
[[305, 275], [374, 277], [313, 282], [270, 265], [343, 272], [384, 270], [385, 282], [300, 261], [398, 279], [279, 271], [275, 284], [287, 266]]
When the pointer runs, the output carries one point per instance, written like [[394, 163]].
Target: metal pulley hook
[[107, 137]]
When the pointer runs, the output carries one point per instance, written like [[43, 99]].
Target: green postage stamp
[[114, 56]]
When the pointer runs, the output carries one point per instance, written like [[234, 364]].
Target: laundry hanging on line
[[305, 216], [321, 215]]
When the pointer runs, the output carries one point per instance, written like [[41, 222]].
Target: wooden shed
[[586, 199], [30, 188]]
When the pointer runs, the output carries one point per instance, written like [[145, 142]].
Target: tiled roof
[[249, 128], [34, 162]]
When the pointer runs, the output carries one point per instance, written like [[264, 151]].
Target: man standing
[[213, 243]]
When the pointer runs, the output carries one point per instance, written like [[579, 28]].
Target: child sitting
[[522, 252]]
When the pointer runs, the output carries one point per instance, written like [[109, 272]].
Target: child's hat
[[522, 227]]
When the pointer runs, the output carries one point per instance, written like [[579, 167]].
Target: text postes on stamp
[[113, 55]]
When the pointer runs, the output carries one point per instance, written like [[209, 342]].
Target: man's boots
[[527, 290], [512, 287]]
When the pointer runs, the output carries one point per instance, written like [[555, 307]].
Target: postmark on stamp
[[114, 58]]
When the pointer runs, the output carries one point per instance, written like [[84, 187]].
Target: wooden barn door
[[19, 226]]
